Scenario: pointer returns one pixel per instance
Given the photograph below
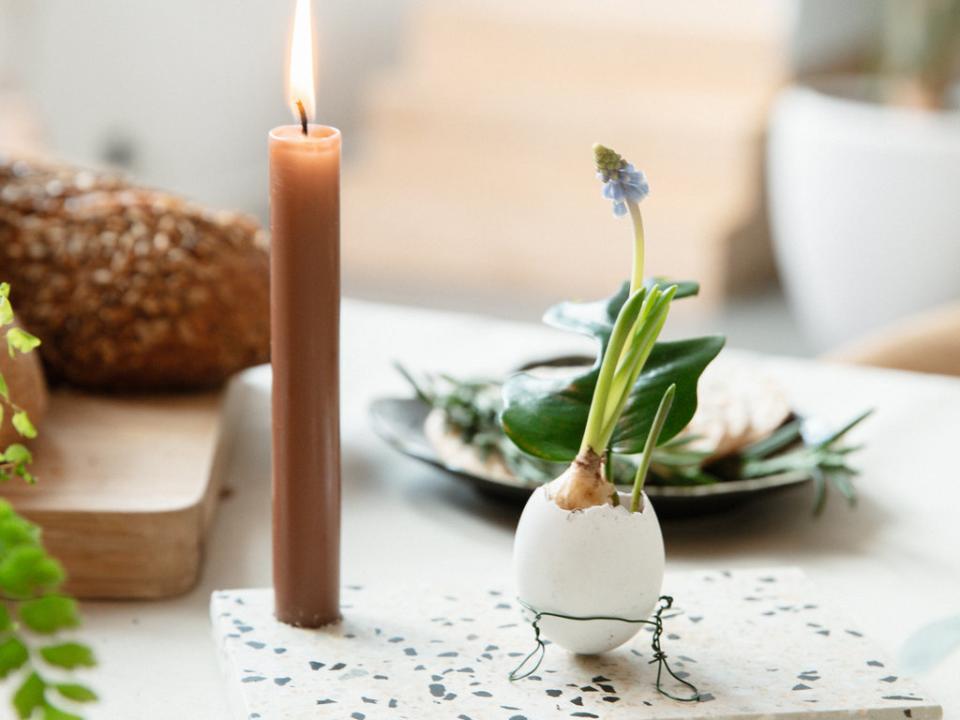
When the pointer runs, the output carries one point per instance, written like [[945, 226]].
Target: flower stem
[[666, 402], [636, 281]]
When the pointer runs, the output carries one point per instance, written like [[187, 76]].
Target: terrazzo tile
[[752, 641]]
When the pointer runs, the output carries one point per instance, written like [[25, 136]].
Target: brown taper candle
[[305, 326]]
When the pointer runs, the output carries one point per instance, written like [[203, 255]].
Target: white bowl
[[602, 561], [863, 206]]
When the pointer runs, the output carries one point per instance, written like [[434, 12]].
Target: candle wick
[[303, 116]]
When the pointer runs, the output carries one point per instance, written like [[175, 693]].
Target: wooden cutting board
[[126, 490]]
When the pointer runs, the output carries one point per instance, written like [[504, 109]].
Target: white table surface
[[893, 563]]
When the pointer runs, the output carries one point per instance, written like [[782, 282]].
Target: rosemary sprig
[[823, 459]]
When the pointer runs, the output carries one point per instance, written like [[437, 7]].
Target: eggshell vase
[[603, 560]]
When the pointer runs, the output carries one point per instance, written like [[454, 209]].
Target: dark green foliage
[[546, 416], [674, 463]]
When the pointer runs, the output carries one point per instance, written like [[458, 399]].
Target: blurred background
[[804, 155]]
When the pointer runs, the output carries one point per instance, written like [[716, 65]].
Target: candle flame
[[300, 76]]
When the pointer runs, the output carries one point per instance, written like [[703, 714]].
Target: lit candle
[[305, 319]]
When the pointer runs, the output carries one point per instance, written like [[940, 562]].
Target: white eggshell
[[603, 560]]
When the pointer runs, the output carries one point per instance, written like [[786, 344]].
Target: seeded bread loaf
[[131, 288]]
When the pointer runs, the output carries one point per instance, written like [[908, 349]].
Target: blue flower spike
[[626, 187], [622, 182]]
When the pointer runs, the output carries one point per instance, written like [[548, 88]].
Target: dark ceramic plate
[[399, 421]]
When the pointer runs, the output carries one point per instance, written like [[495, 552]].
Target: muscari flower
[[622, 182]]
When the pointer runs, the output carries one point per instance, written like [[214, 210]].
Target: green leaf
[[76, 692], [4, 290], [4, 390], [21, 422], [6, 510], [54, 713], [5, 622], [681, 363], [6, 311], [49, 614], [19, 339], [17, 453], [685, 288], [780, 439], [837, 434], [68, 655], [841, 481], [13, 654], [819, 490], [546, 416], [26, 570], [29, 696], [597, 318], [15, 531]]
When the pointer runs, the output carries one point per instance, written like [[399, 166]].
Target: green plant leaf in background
[[19, 340], [21, 423], [27, 570], [30, 581], [16, 453], [13, 654], [6, 309], [54, 713], [49, 613], [930, 645], [30, 695], [68, 655], [76, 692], [31, 601], [546, 416]]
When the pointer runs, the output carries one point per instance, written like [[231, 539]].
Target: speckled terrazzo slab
[[757, 643]]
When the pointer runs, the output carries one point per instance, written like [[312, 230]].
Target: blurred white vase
[[865, 207]]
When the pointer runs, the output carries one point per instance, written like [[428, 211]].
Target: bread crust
[[131, 288]]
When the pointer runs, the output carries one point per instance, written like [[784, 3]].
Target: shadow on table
[[783, 524], [434, 491], [780, 523]]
